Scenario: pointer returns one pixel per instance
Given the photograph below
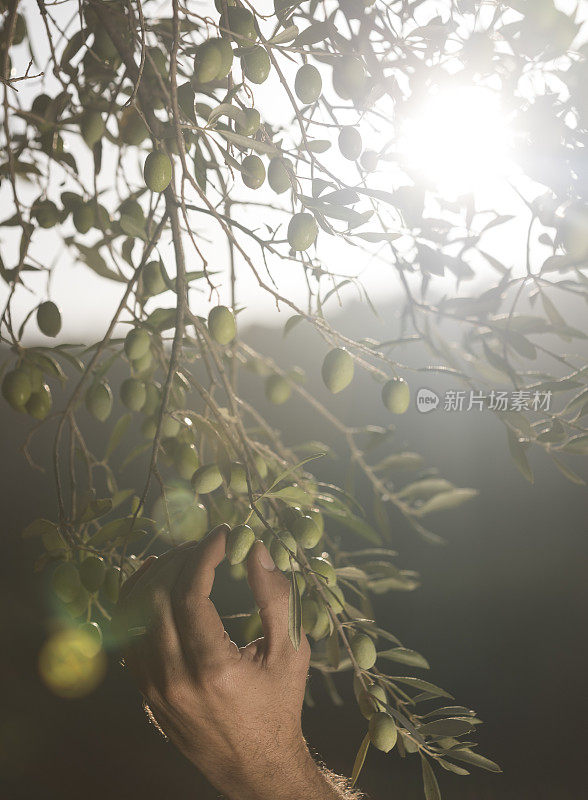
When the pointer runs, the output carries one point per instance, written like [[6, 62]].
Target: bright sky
[[460, 139]]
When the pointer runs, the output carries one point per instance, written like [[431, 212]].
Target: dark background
[[501, 616]]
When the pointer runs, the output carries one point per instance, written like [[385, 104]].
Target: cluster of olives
[[24, 387], [140, 393], [372, 703], [77, 580], [213, 60], [372, 700], [337, 372], [86, 215], [305, 530]]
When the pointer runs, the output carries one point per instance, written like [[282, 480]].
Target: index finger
[[201, 630]]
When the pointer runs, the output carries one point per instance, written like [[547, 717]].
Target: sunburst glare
[[458, 139]]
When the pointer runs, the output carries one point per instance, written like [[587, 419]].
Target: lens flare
[[458, 139], [70, 663]]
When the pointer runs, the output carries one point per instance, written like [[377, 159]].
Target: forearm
[[296, 777]]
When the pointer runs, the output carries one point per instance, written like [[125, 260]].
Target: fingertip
[[221, 529], [261, 554], [129, 582]]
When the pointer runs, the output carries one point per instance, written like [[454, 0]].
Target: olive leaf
[[294, 612], [403, 655], [360, 759], [432, 791]]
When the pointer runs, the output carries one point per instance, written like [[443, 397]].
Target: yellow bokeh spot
[[70, 664]]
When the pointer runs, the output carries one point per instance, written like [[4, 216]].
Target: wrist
[[289, 774]]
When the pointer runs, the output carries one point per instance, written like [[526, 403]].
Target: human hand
[[234, 712]]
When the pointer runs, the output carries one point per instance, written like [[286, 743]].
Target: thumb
[[271, 591]]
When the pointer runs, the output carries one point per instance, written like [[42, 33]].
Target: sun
[[457, 140]]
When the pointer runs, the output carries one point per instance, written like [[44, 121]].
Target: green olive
[[137, 343], [239, 23], [277, 389], [310, 610], [152, 400], [16, 388], [281, 544], [149, 428], [278, 175], [305, 532], [92, 637], [238, 482], [396, 395], [35, 375], [256, 64], [92, 573], [325, 570], [170, 426], [302, 231], [370, 700], [92, 128], [315, 618], [99, 401], [336, 598], [66, 582], [221, 325], [308, 84], [39, 403], [301, 582], [191, 524], [383, 731], [157, 171], [153, 280], [132, 209], [208, 61], [103, 46], [49, 319], [350, 143], [224, 510], [142, 366], [252, 171], [238, 572], [250, 122], [40, 104], [337, 370], [131, 128], [186, 460], [110, 587], [226, 52], [20, 30], [206, 479], [369, 160], [364, 650], [133, 394], [239, 543], [83, 218], [46, 213], [155, 64], [349, 77], [79, 605], [317, 518]]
